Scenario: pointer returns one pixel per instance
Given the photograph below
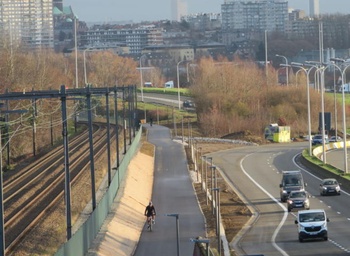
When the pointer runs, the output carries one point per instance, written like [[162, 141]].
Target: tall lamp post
[[296, 76], [343, 78], [84, 54], [141, 85], [287, 71], [176, 215], [76, 52], [218, 220], [178, 81], [307, 72]]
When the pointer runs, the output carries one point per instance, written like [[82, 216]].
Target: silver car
[[329, 186]]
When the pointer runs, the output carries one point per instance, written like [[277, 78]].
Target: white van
[[312, 224], [169, 84]]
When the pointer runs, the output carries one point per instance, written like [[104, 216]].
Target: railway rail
[[31, 192]]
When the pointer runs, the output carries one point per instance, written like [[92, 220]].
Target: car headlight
[[324, 188], [289, 201], [337, 188], [284, 192]]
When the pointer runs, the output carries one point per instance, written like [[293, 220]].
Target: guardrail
[[323, 173], [317, 151]]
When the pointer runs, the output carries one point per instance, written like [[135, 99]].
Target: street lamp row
[[321, 67], [287, 70]]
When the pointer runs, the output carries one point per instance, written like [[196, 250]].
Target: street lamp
[[343, 78], [209, 158], [76, 51], [307, 72], [218, 221], [176, 215], [2, 242], [84, 54], [141, 85], [213, 185], [188, 77], [287, 71], [296, 76], [178, 81], [321, 69]]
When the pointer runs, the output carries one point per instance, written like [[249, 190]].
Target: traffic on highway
[[255, 173]]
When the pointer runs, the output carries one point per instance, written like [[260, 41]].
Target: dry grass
[[234, 212]]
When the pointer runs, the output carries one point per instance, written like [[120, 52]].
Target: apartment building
[[270, 15], [244, 20], [27, 22], [204, 21], [136, 39]]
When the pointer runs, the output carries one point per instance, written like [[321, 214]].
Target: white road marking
[[285, 215]]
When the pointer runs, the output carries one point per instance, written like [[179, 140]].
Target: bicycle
[[150, 222]]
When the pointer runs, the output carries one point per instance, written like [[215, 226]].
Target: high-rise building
[[27, 22], [314, 8], [178, 9], [271, 15]]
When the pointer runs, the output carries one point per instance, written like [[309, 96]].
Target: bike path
[[173, 193]]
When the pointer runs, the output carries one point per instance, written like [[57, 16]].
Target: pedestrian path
[[124, 231]]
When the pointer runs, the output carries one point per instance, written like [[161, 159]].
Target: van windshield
[[292, 180], [310, 217]]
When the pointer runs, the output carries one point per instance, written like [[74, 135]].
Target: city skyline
[[152, 10]]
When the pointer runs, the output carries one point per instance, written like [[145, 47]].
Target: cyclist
[[150, 212]]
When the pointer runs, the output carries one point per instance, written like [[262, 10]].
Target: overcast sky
[[152, 10]]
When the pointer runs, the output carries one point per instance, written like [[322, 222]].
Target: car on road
[[307, 137], [317, 139], [298, 199], [335, 139], [329, 186], [312, 224], [291, 181], [188, 104]]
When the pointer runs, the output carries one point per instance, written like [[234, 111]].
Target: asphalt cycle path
[[179, 217]]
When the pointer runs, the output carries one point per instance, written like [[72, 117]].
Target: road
[[256, 173], [163, 99], [336, 158]]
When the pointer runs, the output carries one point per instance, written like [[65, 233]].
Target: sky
[[153, 10]]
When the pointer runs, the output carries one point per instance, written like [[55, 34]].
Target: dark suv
[[291, 181]]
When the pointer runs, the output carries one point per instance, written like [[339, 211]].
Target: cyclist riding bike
[[150, 212]]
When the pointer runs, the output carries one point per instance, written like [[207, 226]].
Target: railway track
[[31, 192]]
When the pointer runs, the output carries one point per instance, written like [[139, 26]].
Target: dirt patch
[[234, 213]]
